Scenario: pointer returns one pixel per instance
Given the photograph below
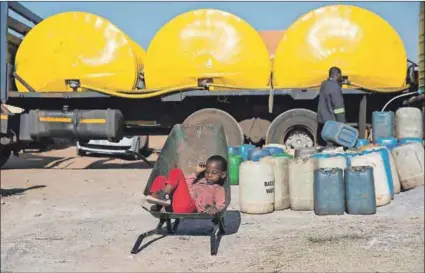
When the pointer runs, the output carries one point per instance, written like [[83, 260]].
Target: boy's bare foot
[[159, 198]]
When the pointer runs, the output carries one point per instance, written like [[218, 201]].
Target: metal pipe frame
[[6, 23]]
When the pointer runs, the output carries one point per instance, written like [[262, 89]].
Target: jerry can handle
[[359, 168], [328, 171]]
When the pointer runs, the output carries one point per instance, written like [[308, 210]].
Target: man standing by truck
[[331, 103]]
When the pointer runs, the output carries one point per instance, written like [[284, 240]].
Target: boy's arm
[[199, 169], [220, 198], [191, 178]]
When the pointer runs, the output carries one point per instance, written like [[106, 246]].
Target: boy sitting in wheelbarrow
[[201, 191]]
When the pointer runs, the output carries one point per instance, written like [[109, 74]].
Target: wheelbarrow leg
[[145, 160], [171, 228], [216, 235], [221, 226], [176, 224], [149, 233], [214, 240]]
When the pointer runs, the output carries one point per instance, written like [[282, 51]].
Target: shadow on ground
[[18, 191], [42, 161], [197, 227], [108, 163]]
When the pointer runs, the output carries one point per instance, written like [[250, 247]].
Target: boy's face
[[214, 173]]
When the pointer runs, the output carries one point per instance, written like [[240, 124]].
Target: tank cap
[[74, 84], [204, 82]]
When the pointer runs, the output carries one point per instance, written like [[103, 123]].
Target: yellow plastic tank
[[366, 48], [78, 45], [207, 43]]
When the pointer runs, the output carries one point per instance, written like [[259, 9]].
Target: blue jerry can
[[382, 125], [244, 150], [361, 142], [275, 150], [329, 192], [234, 150], [360, 190], [406, 140], [321, 155], [256, 154], [389, 142], [340, 133]]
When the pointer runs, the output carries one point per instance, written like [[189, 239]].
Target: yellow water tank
[[366, 48], [82, 46], [207, 43]]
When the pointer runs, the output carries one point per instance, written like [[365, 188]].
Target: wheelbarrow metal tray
[[186, 146]]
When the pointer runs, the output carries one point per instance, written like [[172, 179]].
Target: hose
[[141, 96], [139, 91], [304, 87], [149, 93], [414, 99], [355, 85], [399, 96], [236, 87], [143, 92], [412, 62], [391, 90], [133, 91], [386, 90]]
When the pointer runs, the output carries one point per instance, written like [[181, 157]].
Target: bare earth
[[60, 212]]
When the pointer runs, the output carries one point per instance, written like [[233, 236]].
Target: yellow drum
[[207, 43], [78, 45], [367, 49]]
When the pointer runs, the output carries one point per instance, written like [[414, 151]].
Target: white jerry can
[[332, 163], [256, 187], [409, 160], [409, 122], [301, 183], [281, 181], [381, 182]]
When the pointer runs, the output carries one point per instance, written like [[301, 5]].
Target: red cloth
[[182, 202], [189, 197]]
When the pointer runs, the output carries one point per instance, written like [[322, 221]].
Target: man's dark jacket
[[331, 102]]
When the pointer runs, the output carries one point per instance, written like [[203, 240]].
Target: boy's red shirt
[[205, 194]]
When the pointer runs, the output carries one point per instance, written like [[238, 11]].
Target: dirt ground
[[60, 213]]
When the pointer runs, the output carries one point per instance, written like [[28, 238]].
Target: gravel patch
[[88, 220]]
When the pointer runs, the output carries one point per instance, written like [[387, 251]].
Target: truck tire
[[141, 145], [294, 123], [81, 153], [4, 154], [233, 131]]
